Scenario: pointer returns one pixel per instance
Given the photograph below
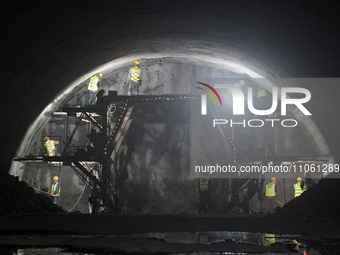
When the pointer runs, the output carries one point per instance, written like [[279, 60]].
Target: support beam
[[122, 132], [94, 121], [87, 173], [73, 133]]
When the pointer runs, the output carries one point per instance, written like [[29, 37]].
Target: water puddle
[[177, 243]]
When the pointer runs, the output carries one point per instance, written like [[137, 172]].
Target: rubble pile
[[321, 201], [17, 197]]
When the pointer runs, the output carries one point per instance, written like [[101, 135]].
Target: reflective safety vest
[[270, 190], [135, 73], [308, 183], [93, 83], [56, 188], [204, 184], [50, 147], [261, 93], [270, 238], [298, 190]]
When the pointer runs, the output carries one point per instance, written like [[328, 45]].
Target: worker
[[261, 92], [297, 187], [270, 188], [270, 194], [93, 86], [204, 189], [239, 84], [55, 190], [262, 101], [270, 238], [50, 146], [134, 80], [94, 200], [307, 182]]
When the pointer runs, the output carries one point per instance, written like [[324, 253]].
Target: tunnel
[[146, 191]]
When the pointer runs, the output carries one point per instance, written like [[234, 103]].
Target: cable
[[44, 192], [84, 207], [40, 190], [78, 199]]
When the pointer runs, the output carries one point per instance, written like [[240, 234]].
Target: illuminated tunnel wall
[[48, 47], [152, 171]]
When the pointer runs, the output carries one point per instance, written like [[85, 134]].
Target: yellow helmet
[[46, 138], [100, 74], [137, 62], [299, 179], [273, 179], [55, 178]]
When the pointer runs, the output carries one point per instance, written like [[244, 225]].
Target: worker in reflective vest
[[204, 190], [270, 188], [55, 190], [93, 86], [50, 146], [261, 92], [307, 182], [297, 187], [204, 184], [270, 195], [270, 238], [262, 101], [134, 80]]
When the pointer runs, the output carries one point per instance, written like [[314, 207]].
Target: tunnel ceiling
[[49, 45]]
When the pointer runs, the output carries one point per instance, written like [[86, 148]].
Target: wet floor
[[211, 242]]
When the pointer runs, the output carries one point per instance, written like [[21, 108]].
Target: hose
[[40, 190], [84, 207], [78, 199], [44, 192]]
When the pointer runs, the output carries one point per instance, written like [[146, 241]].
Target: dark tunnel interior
[[148, 200]]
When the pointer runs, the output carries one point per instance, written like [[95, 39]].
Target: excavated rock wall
[[16, 197], [152, 173], [321, 201]]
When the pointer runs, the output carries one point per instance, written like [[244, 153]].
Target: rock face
[[17, 197], [321, 201], [60, 57], [152, 172]]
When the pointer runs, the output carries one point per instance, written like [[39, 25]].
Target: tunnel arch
[[291, 40], [196, 59]]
